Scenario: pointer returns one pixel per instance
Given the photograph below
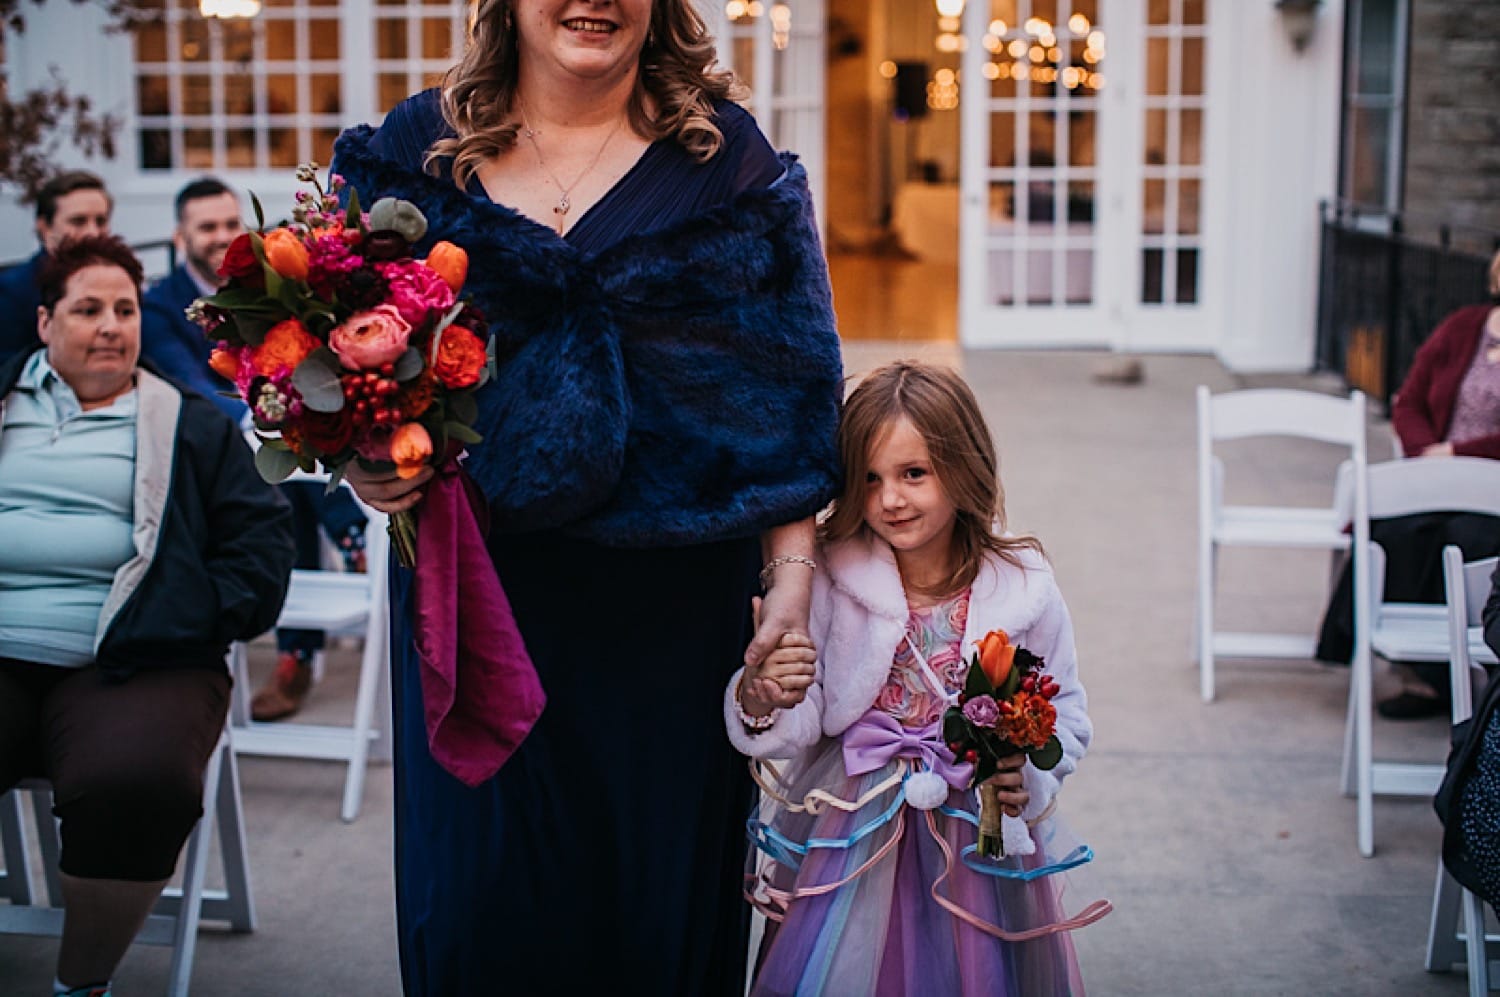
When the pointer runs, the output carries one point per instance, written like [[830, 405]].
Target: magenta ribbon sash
[[480, 692], [877, 737]]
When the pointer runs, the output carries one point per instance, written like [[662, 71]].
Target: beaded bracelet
[[776, 562], [754, 725]]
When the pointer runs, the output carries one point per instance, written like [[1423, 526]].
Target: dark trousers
[[1413, 573], [125, 759]]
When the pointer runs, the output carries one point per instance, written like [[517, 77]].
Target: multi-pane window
[[1374, 95], [1172, 178], [1045, 72], [415, 43], [274, 90]]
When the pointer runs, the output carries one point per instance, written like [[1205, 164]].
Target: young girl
[[873, 895]]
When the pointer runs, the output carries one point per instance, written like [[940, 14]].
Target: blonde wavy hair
[[673, 96], [942, 408]]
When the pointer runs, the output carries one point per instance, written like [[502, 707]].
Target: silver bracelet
[[776, 562]]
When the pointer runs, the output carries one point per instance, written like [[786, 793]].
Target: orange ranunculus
[[460, 358], [996, 656], [225, 363], [1030, 721], [286, 345], [415, 396], [449, 262], [286, 254], [410, 449]]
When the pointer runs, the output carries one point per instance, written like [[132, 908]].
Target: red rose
[[329, 432], [460, 358], [240, 263]]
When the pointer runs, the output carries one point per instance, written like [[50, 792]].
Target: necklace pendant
[[563, 204]]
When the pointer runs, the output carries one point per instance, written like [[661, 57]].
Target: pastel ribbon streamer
[[480, 692]]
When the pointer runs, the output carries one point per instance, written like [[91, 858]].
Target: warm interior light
[[888, 69], [998, 28], [228, 8], [1078, 24], [950, 8]]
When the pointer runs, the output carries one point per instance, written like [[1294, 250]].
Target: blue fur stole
[[680, 387]]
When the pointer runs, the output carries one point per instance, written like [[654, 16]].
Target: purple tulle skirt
[[882, 898]]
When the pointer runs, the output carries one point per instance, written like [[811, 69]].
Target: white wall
[[1281, 156]]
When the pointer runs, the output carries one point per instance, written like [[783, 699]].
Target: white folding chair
[[1268, 412], [1448, 943], [1401, 631], [335, 602], [175, 920]]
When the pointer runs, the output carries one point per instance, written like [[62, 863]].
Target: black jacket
[[213, 541]]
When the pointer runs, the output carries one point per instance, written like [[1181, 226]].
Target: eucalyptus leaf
[[1047, 756], [236, 297], [463, 408], [443, 323], [335, 476], [317, 381], [275, 464], [408, 365], [462, 433]]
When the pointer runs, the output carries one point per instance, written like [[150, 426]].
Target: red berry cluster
[[371, 397], [1040, 683]]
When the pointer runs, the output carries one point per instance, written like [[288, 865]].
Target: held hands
[[385, 491], [1438, 450], [782, 679], [1013, 797]]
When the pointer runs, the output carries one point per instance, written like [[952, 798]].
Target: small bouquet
[[345, 347], [1005, 708]]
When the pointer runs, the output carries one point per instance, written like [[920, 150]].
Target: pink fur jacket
[[858, 616]]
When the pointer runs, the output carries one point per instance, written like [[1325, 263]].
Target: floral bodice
[[938, 632]]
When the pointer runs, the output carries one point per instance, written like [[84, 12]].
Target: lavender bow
[[875, 738]]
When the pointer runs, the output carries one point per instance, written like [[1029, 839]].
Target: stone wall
[[1453, 115]]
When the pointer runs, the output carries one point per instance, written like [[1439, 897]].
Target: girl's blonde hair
[[942, 408], [674, 89]]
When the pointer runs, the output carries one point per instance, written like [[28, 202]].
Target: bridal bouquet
[[344, 346], [1005, 708]]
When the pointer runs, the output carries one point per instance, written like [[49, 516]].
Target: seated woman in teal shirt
[[136, 541]]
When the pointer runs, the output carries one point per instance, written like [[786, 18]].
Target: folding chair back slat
[[1238, 415]]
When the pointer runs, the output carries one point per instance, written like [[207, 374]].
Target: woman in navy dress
[[656, 442]]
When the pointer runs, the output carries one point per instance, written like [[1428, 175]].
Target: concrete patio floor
[[1220, 832]]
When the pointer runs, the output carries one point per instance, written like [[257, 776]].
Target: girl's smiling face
[[905, 503]]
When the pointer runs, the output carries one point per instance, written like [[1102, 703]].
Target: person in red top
[[1449, 405]]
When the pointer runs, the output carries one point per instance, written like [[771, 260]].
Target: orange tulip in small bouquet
[[1005, 708], [344, 346]]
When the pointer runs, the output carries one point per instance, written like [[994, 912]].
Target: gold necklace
[[564, 201]]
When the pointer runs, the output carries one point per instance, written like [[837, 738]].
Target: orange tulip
[[286, 254], [225, 363], [449, 262], [996, 656], [410, 449]]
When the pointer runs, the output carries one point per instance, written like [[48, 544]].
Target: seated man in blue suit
[[208, 219], [69, 206]]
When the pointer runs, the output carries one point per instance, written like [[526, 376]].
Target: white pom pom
[[926, 790], [1015, 836]]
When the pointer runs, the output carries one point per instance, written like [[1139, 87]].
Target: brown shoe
[[283, 695]]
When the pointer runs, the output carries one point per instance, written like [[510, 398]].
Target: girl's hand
[[782, 680], [1438, 450], [1013, 797], [384, 490]]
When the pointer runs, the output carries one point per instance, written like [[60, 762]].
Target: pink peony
[[369, 339], [416, 290]]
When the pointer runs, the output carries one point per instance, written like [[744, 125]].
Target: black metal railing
[[1386, 282]]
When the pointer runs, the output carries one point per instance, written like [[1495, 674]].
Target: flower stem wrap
[[991, 843], [402, 528]]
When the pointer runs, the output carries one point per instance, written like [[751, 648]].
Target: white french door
[[1083, 132], [777, 50]]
